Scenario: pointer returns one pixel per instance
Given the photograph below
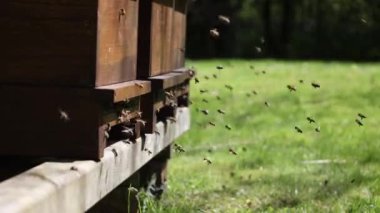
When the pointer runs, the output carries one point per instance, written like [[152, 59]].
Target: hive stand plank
[[55, 187]]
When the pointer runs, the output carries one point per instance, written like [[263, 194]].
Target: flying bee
[[74, 168], [207, 161], [232, 151], [178, 148], [301, 81], [252, 67], [204, 100], [315, 85], [254, 92], [221, 111], [215, 76], [248, 95], [140, 85], [141, 121], [218, 98], [264, 72], [203, 91], [318, 129], [362, 116], [196, 80], [115, 152], [311, 120], [229, 87], [291, 88], [299, 130], [359, 122], [219, 67], [122, 12], [211, 123], [224, 19], [207, 78], [267, 104], [214, 33], [205, 111], [258, 49], [157, 132], [228, 127], [63, 115]]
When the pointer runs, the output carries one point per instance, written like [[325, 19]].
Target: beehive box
[[69, 122], [162, 35], [83, 43]]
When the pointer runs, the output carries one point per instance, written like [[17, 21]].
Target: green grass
[[269, 173]]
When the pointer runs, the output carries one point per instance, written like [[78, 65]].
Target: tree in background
[[323, 29]]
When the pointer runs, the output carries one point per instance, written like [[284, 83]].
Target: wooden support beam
[[55, 187]]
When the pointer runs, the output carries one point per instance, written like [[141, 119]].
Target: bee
[[196, 80], [258, 49], [291, 88], [315, 85], [248, 95], [148, 151], [215, 76], [182, 50], [252, 67], [219, 67], [106, 135], [139, 114], [212, 123], [359, 122], [254, 92], [229, 87], [362, 116], [221, 111], [122, 12], [311, 120], [203, 91], [224, 19], [157, 132], [363, 20], [63, 115], [140, 85], [205, 111], [244, 149], [106, 132], [232, 174], [228, 127], [301, 81], [232, 151], [262, 40], [207, 161], [128, 131], [206, 77], [204, 100], [74, 168], [264, 72], [299, 130], [115, 152], [218, 98], [214, 33], [172, 119], [267, 104], [125, 112], [141, 121], [318, 129], [178, 148], [169, 95], [248, 202]]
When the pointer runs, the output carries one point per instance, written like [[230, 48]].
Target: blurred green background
[[296, 29]]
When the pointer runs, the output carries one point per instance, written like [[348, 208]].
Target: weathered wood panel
[[55, 187], [70, 43], [179, 34]]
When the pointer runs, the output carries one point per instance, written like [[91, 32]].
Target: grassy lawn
[[277, 168]]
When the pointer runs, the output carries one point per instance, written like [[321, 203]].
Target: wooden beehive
[[162, 34], [67, 122], [84, 43]]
